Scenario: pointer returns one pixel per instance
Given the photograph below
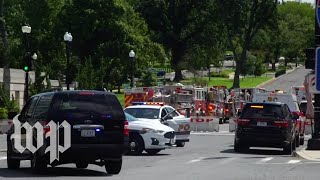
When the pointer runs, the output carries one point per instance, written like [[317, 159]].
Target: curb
[[303, 155], [267, 82]]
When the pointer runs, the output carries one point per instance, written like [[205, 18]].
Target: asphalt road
[[206, 156], [286, 81]]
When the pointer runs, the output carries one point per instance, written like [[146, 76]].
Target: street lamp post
[[68, 39], [26, 30], [210, 66], [131, 56]]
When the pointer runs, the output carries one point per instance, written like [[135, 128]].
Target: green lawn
[[121, 99], [247, 82]]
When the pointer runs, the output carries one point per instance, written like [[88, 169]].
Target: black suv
[[99, 130], [265, 125]]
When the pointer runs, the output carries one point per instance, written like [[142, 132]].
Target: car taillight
[[284, 123], [46, 127], [243, 121], [126, 128]]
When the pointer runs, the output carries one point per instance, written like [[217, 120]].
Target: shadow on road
[[51, 172], [146, 154], [258, 152]]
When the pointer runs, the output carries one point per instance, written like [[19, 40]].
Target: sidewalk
[[309, 155]]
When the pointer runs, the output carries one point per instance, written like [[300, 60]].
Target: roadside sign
[[317, 68]]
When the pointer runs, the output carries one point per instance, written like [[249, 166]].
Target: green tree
[[242, 19], [106, 31], [183, 27]]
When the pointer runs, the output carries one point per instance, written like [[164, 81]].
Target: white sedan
[[165, 114], [149, 136]]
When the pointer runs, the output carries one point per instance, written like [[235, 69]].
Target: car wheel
[[11, 163], [288, 149], [152, 151], [113, 167], [294, 145], [180, 144], [82, 165], [297, 141], [136, 144], [38, 163], [240, 147], [301, 141]]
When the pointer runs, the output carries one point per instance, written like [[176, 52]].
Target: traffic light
[[27, 63], [310, 58]]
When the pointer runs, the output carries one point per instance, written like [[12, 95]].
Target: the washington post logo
[[54, 148]]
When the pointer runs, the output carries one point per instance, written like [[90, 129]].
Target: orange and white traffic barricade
[[204, 124]]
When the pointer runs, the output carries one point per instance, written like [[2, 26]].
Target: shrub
[[200, 82], [3, 113], [222, 74], [280, 72]]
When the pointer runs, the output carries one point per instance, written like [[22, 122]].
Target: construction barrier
[[204, 123], [309, 123], [232, 124]]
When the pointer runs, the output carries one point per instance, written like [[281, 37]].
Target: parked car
[[266, 124], [152, 111], [151, 137], [99, 130]]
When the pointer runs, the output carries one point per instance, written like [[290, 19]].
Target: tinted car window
[[43, 106], [262, 111], [130, 118], [80, 106], [172, 111], [30, 109], [147, 113]]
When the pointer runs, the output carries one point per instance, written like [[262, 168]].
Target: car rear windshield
[[147, 113], [79, 106], [262, 111]]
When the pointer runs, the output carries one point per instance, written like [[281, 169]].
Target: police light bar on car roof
[[148, 103]]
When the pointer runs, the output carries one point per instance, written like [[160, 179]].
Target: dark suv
[[99, 130], [265, 125]]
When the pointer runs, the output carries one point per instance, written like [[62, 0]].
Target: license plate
[[261, 123], [88, 133]]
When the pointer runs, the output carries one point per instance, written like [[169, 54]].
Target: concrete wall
[[17, 85]]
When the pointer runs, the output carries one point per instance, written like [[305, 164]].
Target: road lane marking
[[195, 160], [3, 158], [264, 160], [293, 161]]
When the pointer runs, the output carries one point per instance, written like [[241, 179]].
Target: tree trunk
[[177, 57], [273, 66], [239, 62], [119, 89], [3, 33]]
